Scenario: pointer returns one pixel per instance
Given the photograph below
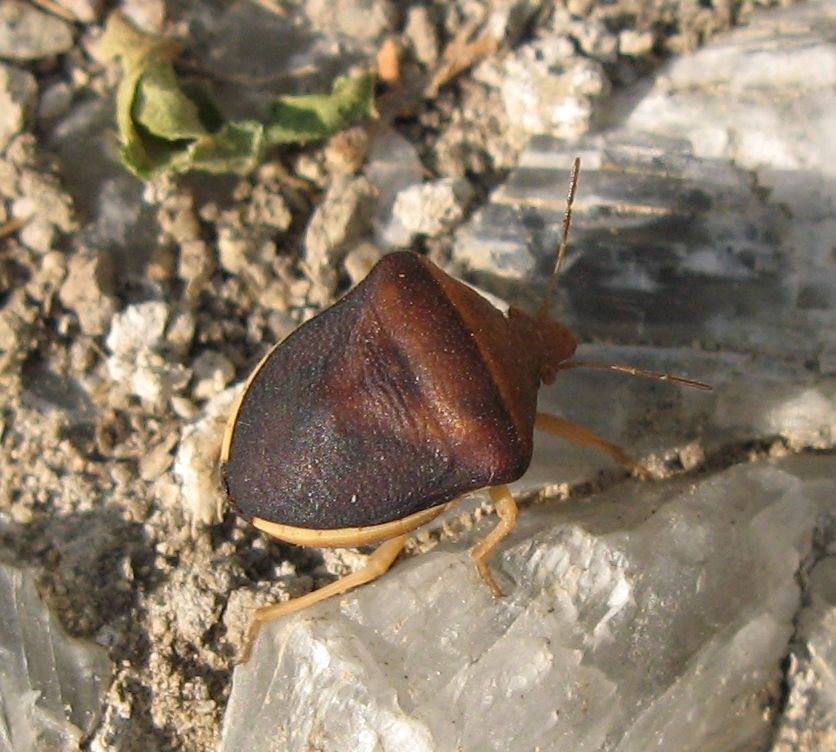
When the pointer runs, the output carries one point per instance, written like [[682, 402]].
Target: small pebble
[[634, 43], [18, 93], [28, 34], [212, 372]]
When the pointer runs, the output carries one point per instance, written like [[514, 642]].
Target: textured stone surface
[[51, 686], [430, 209], [707, 217], [665, 246], [624, 614], [809, 718]]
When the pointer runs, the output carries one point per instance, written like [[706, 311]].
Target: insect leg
[[506, 509], [580, 435], [378, 562]]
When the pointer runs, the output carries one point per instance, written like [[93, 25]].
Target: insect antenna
[[543, 312], [633, 371]]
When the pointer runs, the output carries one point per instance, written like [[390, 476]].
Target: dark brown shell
[[408, 392]]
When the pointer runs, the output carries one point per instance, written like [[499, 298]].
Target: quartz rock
[[393, 166], [429, 209], [809, 717], [623, 613], [137, 363], [654, 421], [761, 95], [764, 98], [674, 237], [546, 88], [665, 246], [51, 686]]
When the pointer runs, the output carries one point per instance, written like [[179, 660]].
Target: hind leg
[[377, 564]]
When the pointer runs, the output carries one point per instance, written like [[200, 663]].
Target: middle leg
[[507, 510]]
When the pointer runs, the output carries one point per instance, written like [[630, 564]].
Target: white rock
[[620, 620], [761, 95], [51, 686], [151, 377], [665, 247], [764, 96], [392, 166], [136, 337], [196, 462], [546, 88], [429, 209], [140, 326], [635, 43], [212, 372]]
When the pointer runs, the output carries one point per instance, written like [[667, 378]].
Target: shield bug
[[375, 416]]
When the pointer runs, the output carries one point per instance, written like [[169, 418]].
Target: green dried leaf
[[162, 108], [299, 119], [143, 156], [166, 128], [237, 147]]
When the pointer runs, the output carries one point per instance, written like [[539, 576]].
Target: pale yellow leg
[[579, 435], [506, 510], [378, 562]]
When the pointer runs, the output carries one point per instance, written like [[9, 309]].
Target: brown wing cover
[[379, 407]]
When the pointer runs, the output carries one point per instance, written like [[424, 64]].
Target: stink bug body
[[370, 419]]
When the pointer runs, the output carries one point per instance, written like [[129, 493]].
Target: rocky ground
[[130, 310]]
